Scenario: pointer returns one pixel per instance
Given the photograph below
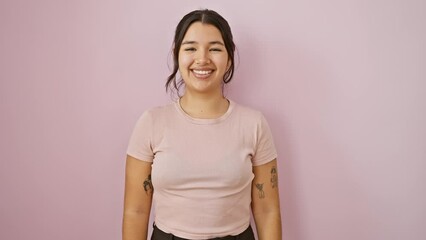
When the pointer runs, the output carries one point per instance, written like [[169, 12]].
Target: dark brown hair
[[208, 17]]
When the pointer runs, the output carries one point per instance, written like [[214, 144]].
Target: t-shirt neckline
[[205, 120]]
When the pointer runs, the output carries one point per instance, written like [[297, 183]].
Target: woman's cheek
[[185, 60]]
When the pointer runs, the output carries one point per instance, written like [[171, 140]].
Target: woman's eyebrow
[[217, 42], [188, 42], [211, 43]]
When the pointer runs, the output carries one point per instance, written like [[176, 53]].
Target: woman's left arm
[[266, 202]]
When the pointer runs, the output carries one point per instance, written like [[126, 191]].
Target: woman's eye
[[189, 49], [216, 50]]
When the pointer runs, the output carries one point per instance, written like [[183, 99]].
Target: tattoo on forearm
[[147, 185], [259, 187], [274, 177]]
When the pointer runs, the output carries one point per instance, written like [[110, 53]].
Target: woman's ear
[[228, 65], [173, 50]]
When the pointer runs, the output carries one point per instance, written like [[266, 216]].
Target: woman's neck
[[204, 106]]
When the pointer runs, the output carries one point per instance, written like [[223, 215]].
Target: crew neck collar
[[205, 120]]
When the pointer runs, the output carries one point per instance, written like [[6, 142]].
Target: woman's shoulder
[[247, 111], [160, 108], [156, 113]]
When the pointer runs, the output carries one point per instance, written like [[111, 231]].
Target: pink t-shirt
[[202, 168]]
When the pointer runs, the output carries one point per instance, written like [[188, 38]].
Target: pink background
[[342, 83]]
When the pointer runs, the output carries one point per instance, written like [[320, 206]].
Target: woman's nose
[[202, 57]]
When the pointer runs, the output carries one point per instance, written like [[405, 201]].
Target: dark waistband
[[158, 234]]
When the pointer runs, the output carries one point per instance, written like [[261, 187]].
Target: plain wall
[[342, 84]]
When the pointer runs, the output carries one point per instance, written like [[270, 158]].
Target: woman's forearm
[[268, 225], [135, 226]]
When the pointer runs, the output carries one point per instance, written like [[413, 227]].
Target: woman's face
[[203, 59]]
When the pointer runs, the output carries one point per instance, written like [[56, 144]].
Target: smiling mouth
[[202, 73]]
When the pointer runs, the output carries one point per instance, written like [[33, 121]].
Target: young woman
[[204, 160]]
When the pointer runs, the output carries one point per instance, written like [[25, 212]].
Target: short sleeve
[[140, 143], [265, 148]]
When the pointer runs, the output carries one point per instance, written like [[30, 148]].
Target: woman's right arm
[[137, 199]]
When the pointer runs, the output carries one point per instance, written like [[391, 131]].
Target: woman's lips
[[201, 73]]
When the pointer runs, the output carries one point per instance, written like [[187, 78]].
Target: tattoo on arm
[[274, 177], [147, 185], [259, 187]]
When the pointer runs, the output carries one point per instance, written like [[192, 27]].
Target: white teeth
[[201, 72]]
